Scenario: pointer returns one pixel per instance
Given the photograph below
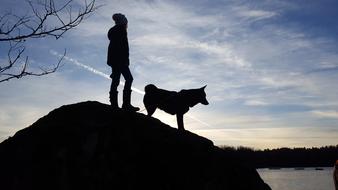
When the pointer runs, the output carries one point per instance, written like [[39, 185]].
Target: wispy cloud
[[331, 114], [255, 103], [249, 13]]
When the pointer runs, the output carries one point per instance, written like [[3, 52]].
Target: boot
[[113, 99], [126, 102]]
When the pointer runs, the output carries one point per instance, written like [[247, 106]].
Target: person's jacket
[[118, 49]]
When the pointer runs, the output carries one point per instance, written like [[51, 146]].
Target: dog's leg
[[180, 124], [150, 110]]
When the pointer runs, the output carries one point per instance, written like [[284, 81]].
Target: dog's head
[[195, 96], [150, 88], [203, 96]]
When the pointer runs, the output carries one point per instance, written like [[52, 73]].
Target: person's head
[[120, 19]]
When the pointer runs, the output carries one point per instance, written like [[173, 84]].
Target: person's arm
[[109, 34], [125, 47]]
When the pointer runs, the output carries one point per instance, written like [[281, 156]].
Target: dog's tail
[[150, 88]]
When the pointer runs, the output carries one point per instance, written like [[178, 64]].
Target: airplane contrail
[[104, 75], [198, 120], [91, 69]]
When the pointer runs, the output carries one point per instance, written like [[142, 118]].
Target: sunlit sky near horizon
[[271, 67]]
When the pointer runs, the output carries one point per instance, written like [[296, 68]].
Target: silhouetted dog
[[173, 102]]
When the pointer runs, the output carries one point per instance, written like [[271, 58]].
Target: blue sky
[[271, 67]]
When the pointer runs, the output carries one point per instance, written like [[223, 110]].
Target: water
[[291, 179]]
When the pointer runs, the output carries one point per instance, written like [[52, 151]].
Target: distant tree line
[[284, 157]]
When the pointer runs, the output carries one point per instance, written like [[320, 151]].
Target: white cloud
[[255, 103], [331, 114], [249, 13]]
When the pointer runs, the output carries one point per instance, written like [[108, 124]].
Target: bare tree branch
[[15, 30], [42, 29], [24, 72]]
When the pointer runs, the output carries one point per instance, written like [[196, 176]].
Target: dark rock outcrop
[[89, 146]]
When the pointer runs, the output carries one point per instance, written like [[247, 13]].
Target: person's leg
[[128, 77], [127, 90], [113, 93]]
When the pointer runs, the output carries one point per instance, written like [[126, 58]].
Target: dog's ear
[[204, 87]]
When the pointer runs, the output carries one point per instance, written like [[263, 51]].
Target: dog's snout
[[205, 102]]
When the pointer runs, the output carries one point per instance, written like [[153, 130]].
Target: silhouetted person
[[118, 59]]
